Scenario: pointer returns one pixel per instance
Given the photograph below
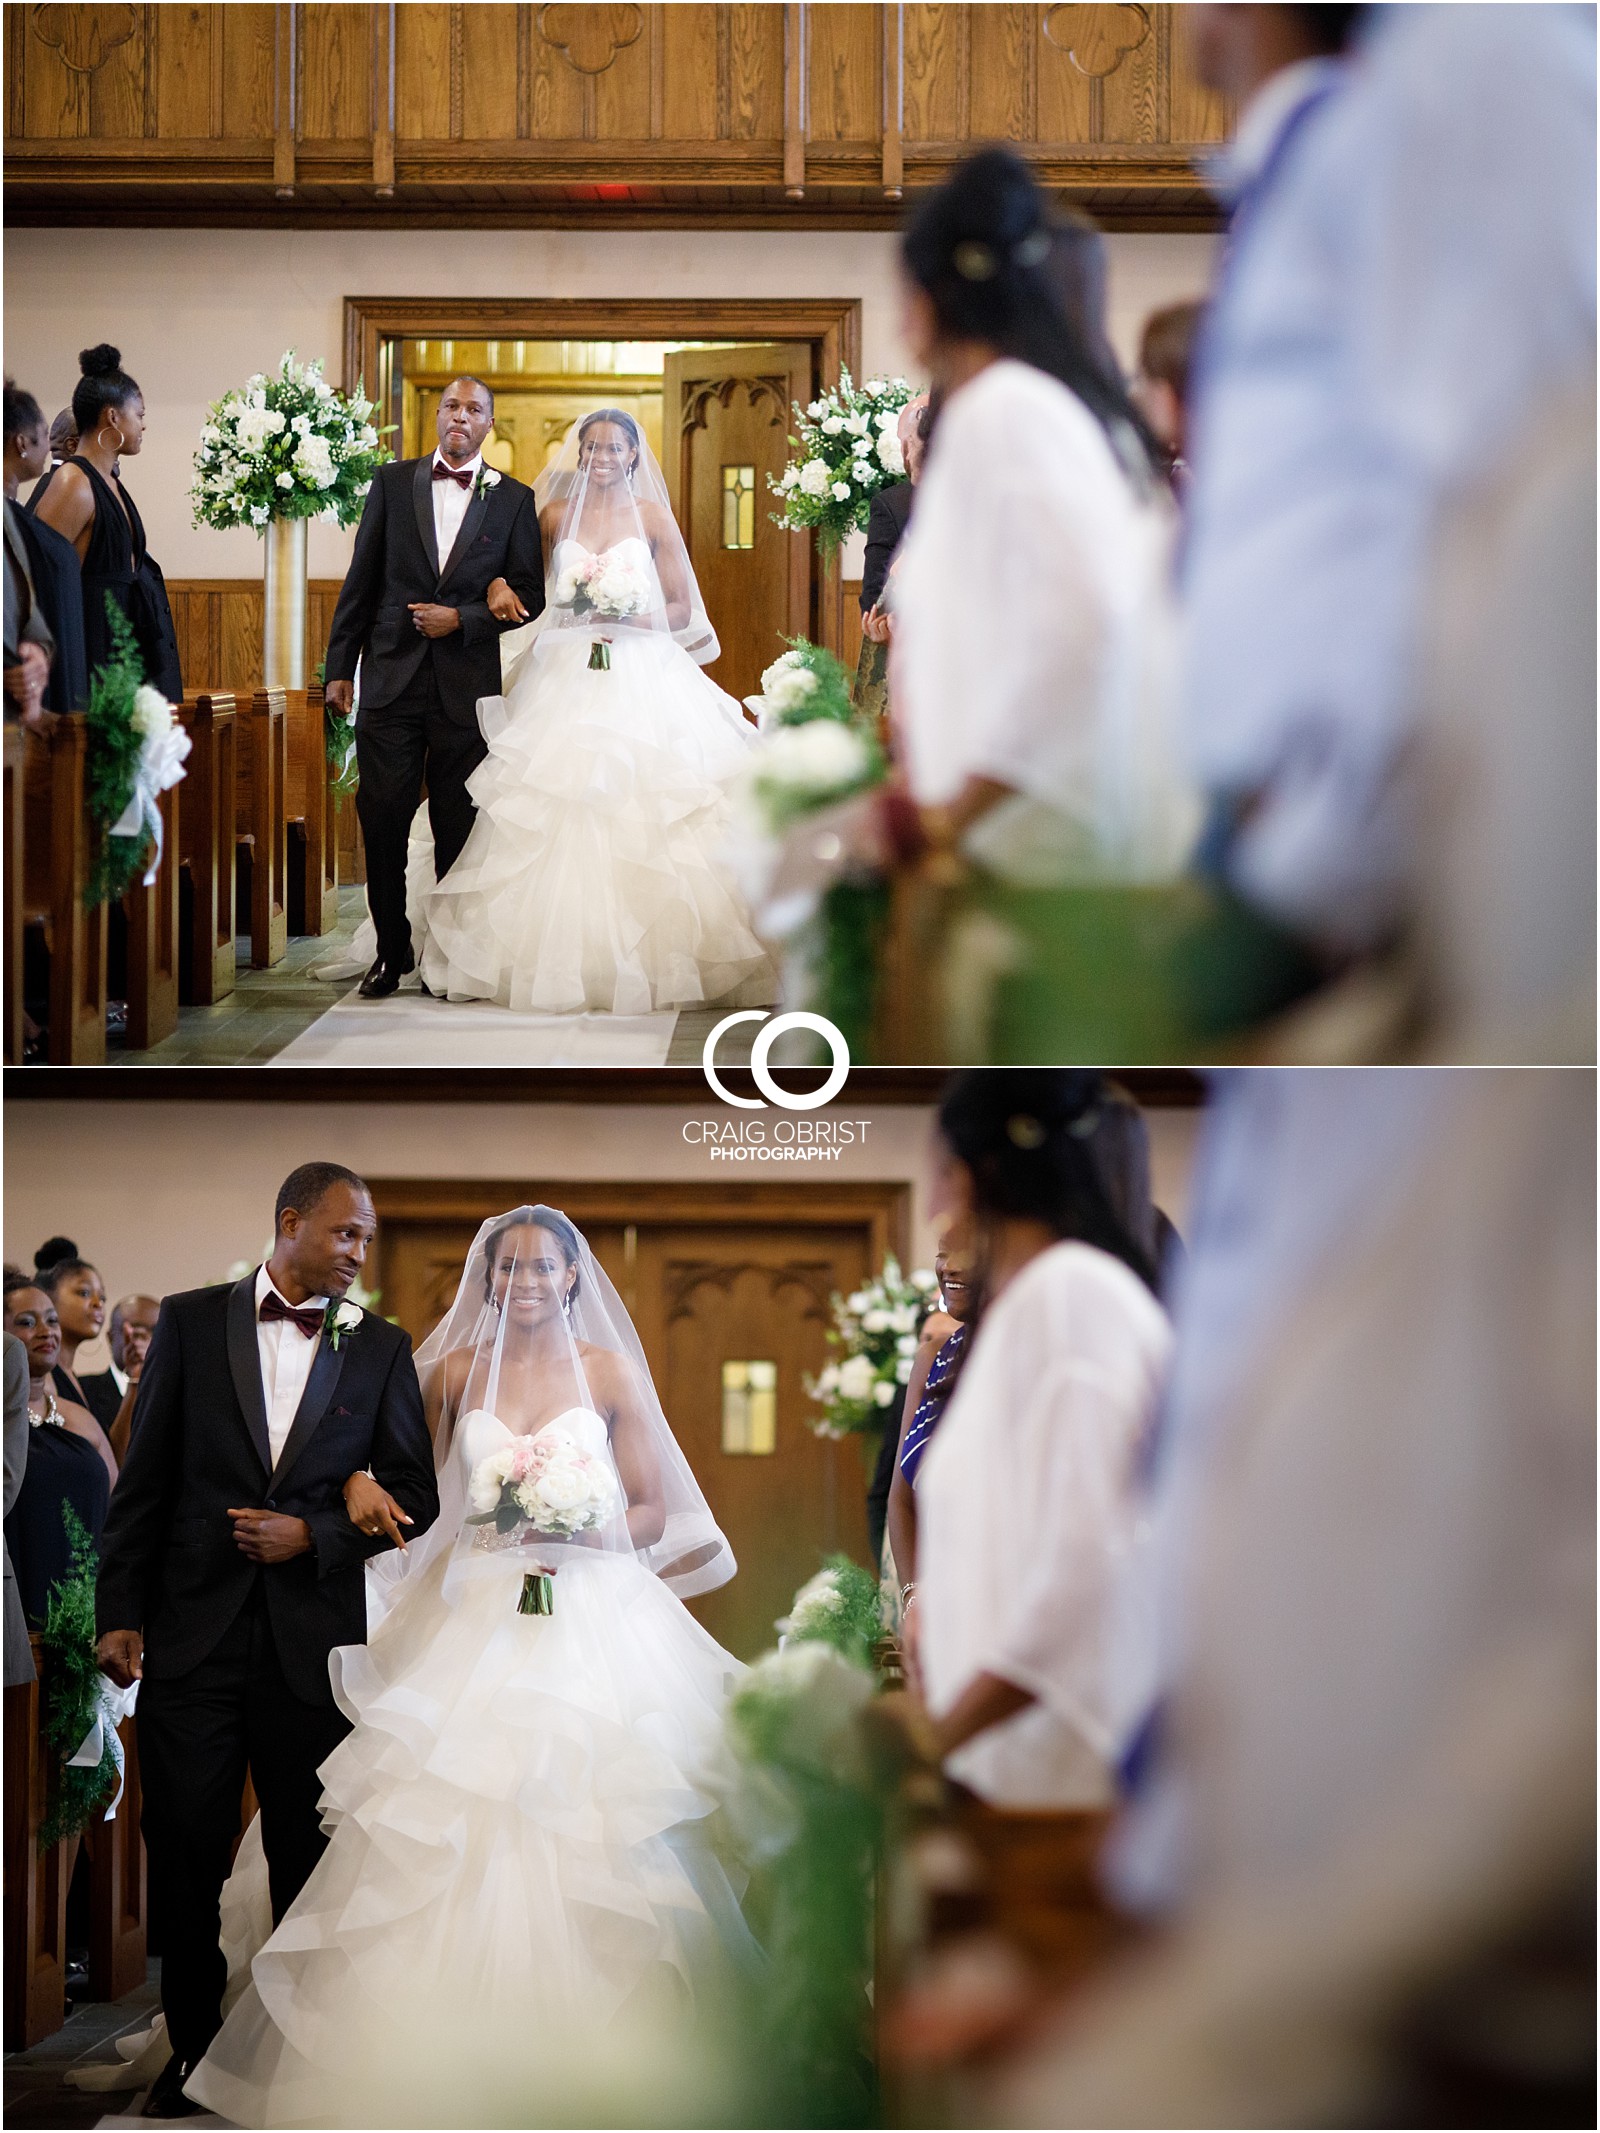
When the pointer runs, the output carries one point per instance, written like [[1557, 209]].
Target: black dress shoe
[[166, 2098], [384, 978]]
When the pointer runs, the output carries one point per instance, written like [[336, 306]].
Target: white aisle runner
[[411, 1029]]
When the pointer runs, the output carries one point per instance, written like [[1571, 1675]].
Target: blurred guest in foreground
[[79, 1295], [934, 1371], [1025, 1498], [1400, 304], [69, 1461], [56, 576], [888, 517], [85, 501], [1027, 678], [1363, 1827]]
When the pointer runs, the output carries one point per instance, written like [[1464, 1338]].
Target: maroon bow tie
[[463, 475], [308, 1319]]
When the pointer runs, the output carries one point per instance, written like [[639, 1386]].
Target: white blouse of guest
[[1026, 1521], [1032, 637]]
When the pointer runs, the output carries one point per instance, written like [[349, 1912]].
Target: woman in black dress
[[84, 500], [52, 561], [79, 1295], [69, 1460]]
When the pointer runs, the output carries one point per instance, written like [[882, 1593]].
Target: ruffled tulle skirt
[[521, 1867], [594, 875]]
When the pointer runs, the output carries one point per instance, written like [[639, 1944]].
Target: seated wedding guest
[[1030, 645], [133, 1325], [69, 1461], [887, 517], [1161, 389], [1025, 1498], [19, 1666], [79, 1295], [1401, 304], [29, 644], [86, 502], [934, 1371], [56, 574]]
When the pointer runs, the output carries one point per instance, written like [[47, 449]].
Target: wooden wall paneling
[[422, 72], [263, 823], [794, 99], [56, 95], [154, 940], [183, 70], [383, 98], [557, 100], [1067, 96], [118, 1937], [1128, 94], [755, 42], [690, 41], [844, 73], [248, 35], [623, 88], [936, 73], [1198, 114], [238, 644], [117, 84], [893, 162], [1002, 73], [35, 1882], [488, 69], [335, 66], [285, 96]]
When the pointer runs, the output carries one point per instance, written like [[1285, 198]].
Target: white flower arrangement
[[846, 450], [286, 445], [340, 1319], [611, 586], [546, 1484], [874, 1336], [814, 748], [137, 751]]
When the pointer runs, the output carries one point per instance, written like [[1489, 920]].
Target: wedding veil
[[603, 490], [538, 1337]]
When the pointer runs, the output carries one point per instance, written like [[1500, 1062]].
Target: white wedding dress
[[518, 1859], [594, 877]]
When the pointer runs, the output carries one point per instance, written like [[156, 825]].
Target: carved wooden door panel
[[713, 1304], [726, 418]]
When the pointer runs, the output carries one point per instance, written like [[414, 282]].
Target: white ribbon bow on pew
[[115, 1705], [164, 748]]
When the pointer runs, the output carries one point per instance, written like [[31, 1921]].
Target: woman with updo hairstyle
[[85, 501], [1026, 1496], [74, 1286], [57, 579], [1028, 672]]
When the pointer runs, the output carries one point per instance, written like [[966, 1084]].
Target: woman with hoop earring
[[84, 500]]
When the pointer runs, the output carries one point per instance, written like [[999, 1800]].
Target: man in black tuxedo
[[278, 1440], [435, 534]]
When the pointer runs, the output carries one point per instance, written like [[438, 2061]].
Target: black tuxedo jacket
[[886, 526], [198, 1447], [396, 561]]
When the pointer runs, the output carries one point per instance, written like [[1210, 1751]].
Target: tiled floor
[[36, 2089]]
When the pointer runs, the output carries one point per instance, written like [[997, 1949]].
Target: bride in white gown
[[593, 877], [520, 1856]]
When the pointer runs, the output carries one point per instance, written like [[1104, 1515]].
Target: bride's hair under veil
[[538, 1341], [604, 490]]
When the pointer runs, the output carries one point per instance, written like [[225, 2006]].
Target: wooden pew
[[313, 883], [57, 861], [118, 1913], [262, 824], [206, 835], [15, 895], [35, 1881], [154, 936]]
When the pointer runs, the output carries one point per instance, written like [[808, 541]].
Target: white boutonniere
[[340, 1319], [488, 478]]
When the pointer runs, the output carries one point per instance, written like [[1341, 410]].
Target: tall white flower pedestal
[[284, 621]]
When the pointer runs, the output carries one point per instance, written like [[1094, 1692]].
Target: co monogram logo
[[761, 1051]]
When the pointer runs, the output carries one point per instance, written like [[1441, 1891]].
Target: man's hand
[[434, 620], [339, 697], [25, 684], [373, 1509], [504, 604], [270, 1536], [120, 1654], [875, 625]]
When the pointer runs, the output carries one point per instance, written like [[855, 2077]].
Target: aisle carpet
[[413, 1030]]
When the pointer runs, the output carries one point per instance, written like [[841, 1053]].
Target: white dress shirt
[[1025, 1518], [286, 1359], [450, 503]]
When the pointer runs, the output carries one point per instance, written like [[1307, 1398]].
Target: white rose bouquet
[[286, 445], [874, 1334], [540, 1486], [846, 450], [613, 586]]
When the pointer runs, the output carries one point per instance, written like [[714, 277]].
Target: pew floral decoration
[[846, 450], [76, 1703], [137, 751], [286, 444], [874, 1338]]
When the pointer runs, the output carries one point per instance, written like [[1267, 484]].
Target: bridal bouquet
[[846, 451], [874, 1335], [614, 586], [286, 445], [546, 1484]]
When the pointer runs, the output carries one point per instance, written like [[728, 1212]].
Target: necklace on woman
[[51, 1418]]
